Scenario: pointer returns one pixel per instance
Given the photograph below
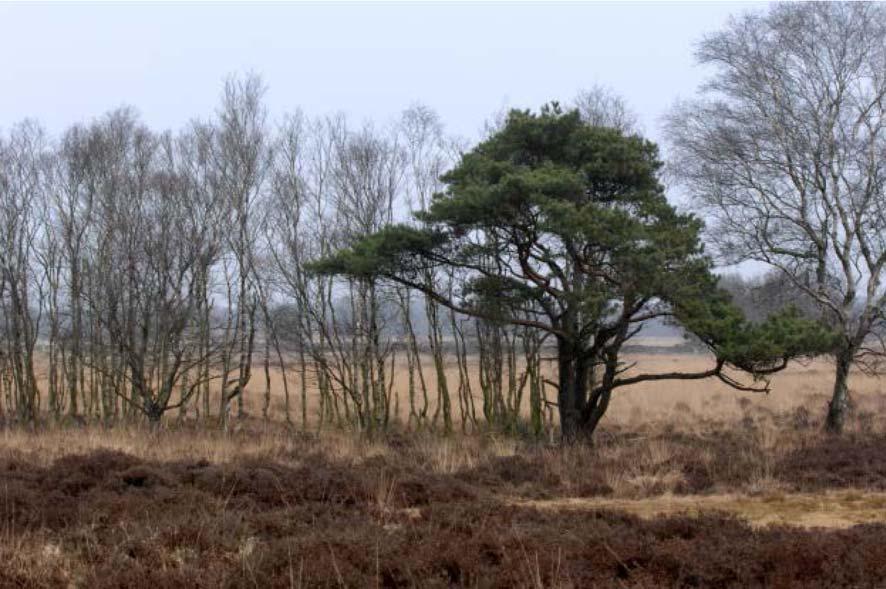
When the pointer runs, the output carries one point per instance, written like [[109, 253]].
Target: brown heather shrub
[[837, 462], [409, 511]]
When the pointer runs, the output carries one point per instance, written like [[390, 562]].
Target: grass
[[802, 387], [263, 507], [687, 485], [829, 510]]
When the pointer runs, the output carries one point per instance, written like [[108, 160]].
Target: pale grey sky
[[64, 63]]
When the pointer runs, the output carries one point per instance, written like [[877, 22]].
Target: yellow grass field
[[680, 403]]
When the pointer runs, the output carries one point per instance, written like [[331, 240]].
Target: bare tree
[[601, 107], [761, 296], [784, 153], [22, 181], [74, 196], [148, 249], [428, 158], [241, 157], [366, 179]]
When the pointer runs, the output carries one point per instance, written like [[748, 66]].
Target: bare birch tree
[[784, 153], [241, 156], [601, 107], [22, 181]]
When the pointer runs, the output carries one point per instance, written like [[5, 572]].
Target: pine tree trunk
[[572, 394]]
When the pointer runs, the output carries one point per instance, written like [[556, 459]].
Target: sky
[[68, 63]]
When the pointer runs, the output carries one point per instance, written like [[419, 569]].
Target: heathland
[[687, 484]]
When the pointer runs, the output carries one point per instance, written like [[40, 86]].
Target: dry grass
[[261, 506], [688, 484], [831, 509], [681, 403]]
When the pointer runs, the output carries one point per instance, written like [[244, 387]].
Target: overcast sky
[[65, 63]]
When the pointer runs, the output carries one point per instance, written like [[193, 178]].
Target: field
[[803, 386], [689, 484]]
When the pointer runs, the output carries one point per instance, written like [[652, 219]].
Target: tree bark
[[839, 404], [572, 394]]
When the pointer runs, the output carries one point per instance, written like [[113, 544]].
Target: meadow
[[687, 484]]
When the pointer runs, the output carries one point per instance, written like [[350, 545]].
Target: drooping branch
[[716, 371]]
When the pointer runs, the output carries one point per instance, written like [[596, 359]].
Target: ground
[[686, 486]]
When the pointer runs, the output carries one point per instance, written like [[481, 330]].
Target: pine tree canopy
[[559, 225]]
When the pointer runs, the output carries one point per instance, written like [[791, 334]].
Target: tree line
[[150, 272], [146, 272]]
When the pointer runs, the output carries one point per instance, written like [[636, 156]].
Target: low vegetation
[[763, 502]]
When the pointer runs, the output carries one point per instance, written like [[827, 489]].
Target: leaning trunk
[[839, 404]]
